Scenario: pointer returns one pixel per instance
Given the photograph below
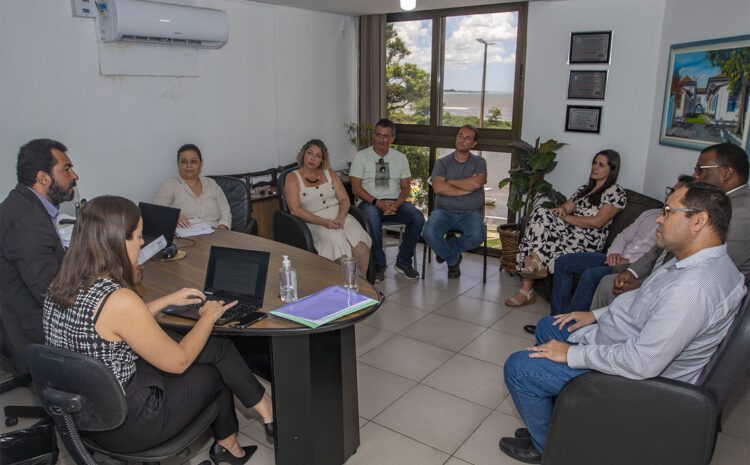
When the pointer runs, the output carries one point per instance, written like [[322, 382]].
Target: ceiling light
[[408, 5]]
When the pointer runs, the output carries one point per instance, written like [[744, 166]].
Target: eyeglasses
[[381, 165], [699, 168], [668, 191], [667, 210], [378, 135]]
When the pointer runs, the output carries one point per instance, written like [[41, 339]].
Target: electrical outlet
[[85, 8]]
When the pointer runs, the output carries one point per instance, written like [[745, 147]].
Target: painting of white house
[[707, 94]]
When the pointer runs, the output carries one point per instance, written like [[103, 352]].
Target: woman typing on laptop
[[92, 309]]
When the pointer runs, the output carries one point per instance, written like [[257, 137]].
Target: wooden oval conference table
[[314, 371]]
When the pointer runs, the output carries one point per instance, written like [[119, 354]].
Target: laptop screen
[[159, 220], [237, 273]]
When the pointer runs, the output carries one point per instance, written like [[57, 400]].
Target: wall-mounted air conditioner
[[162, 23]]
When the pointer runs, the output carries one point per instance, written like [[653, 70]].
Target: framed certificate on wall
[[587, 85], [580, 118], [590, 47]]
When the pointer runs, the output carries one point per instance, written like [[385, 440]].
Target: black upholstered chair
[[637, 204], [292, 230], [10, 380], [81, 394], [608, 419], [237, 193]]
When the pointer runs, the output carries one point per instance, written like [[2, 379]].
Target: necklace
[[311, 181]]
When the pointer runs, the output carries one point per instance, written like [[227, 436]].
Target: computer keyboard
[[234, 313]]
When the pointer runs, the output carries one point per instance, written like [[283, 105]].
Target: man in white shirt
[[381, 178], [670, 326]]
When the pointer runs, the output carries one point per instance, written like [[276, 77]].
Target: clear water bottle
[[287, 281]]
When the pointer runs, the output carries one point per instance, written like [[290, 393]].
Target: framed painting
[[706, 95]]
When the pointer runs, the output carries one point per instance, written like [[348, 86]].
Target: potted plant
[[528, 190], [360, 135]]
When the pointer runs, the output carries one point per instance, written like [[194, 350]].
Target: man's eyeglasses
[[667, 210], [668, 191], [699, 168], [381, 165]]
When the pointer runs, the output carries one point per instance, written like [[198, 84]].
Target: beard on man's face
[[57, 194]]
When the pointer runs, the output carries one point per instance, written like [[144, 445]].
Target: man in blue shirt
[[458, 181], [670, 326], [30, 248]]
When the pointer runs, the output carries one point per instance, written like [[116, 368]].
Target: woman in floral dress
[[580, 224]]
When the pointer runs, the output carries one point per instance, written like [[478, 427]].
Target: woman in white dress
[[315, 194]]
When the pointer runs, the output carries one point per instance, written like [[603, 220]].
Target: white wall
[[628, 106], [686, 21], [317, 77], [256, 100]]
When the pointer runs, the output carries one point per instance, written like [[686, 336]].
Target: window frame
[[437, 136]]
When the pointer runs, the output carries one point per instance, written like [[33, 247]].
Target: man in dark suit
[[30, 247]]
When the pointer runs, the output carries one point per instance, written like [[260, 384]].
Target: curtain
[[371, 68]]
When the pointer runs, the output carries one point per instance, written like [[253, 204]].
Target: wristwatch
[[374, 200]]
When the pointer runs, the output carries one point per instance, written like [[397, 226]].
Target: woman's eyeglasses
[[381, 165]]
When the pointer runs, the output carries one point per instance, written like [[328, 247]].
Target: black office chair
[[238, 196], [10, 380], [81, 394], [292, 230], [428, 250], [608, 419]]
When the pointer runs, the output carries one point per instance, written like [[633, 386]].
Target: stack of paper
[[324, 306], [194, 230]]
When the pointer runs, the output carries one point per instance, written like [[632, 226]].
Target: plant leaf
[[551, 145], [542, 161]]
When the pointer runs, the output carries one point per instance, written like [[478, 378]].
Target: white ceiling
[[370, 7]]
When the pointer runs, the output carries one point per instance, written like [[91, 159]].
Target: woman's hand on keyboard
[[186, 296], [215, 309]]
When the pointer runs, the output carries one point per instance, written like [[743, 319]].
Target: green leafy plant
[[528, 188], [360, 135]]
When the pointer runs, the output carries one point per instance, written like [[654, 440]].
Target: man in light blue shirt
[[669, 327]]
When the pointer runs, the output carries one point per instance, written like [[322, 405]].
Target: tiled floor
[[431, 388]]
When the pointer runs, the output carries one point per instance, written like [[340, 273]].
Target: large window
[[408, 63], [447, 68]]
